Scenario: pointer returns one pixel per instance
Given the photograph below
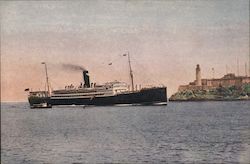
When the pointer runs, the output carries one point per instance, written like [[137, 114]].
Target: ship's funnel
[[86, 79]]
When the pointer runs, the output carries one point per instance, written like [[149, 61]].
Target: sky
[[165, 39]]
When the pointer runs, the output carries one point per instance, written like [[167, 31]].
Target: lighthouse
[[198, 75]]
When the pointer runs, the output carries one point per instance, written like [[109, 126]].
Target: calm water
[[200, 132]]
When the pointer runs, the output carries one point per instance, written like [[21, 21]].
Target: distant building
[[227, 80], [198, 75]]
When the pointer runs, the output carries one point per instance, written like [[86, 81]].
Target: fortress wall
[[224, 82], [214, 83], [205, 84], [246, 80], [193, 87], [228, 82]]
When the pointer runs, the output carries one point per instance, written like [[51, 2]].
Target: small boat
[[41, 105]]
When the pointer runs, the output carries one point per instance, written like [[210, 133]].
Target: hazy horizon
[[166, 39]]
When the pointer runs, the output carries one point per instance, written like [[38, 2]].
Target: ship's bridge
[[118, 87]]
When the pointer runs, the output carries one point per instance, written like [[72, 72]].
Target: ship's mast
[[47, 78], [130, 71]]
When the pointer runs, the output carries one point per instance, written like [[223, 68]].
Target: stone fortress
[[206, 84]]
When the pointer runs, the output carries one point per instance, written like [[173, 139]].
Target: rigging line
[[112, 60], [119, 57], [53, 83], [146, 77], [148, 72]]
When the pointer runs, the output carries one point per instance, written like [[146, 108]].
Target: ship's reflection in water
[[201, 132]]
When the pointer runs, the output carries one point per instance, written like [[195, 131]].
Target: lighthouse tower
[[198, 75]]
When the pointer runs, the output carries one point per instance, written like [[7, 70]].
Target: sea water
[[183, 132]]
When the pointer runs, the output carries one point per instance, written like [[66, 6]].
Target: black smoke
[[73, 67]]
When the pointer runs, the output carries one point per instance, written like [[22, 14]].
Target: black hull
[[143, 97]]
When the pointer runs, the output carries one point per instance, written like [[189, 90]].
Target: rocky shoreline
[[232, 93]]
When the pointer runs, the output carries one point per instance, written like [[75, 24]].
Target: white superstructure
[[108, 89]]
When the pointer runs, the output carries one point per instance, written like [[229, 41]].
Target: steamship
[[110, 93]]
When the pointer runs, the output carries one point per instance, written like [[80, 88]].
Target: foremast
[[47, 78], [130, 70]]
